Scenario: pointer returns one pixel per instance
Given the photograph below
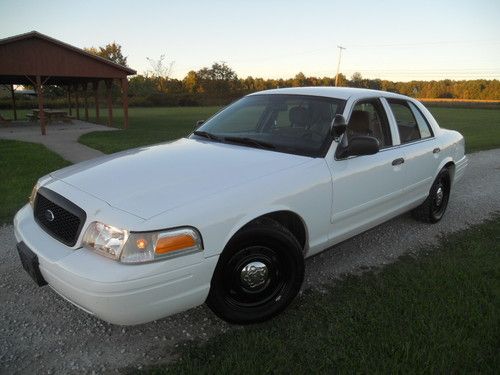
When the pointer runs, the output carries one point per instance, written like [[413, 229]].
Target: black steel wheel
[[258, 274], [434, 207]]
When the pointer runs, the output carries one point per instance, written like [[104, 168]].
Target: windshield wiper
[[250, 142], [207, 135]]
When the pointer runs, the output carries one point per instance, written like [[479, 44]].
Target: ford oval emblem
[[49, 215]]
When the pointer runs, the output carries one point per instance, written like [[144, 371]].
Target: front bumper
[[115, 292]]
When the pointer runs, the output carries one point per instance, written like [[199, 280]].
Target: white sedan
[[227, 215]]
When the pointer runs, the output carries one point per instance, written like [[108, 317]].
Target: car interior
[[366, 121]]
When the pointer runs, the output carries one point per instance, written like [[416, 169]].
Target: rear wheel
[[434, 207], [258, 274]]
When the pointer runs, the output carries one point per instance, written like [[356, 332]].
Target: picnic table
[[50, 115]]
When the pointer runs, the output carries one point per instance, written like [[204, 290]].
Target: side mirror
[[198, 124], [338, 126], [361, 145]]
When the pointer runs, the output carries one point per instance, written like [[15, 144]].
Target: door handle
[[398, 161], [436, 150]]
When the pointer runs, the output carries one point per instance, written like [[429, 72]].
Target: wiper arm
[[208, 135], [250, 142]]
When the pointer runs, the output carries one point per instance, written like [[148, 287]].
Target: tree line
[[219, 84]]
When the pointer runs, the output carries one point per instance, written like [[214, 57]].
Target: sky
[[396, 40]]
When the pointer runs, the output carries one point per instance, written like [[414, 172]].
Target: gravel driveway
[[42, 333]]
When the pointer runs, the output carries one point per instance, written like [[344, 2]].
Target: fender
[[262, 211], [443, 162]]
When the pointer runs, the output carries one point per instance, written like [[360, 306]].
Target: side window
[[369, 118], [423, 125], [408, 127]]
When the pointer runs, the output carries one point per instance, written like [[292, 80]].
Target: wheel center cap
[[439, 196], [254, 274]]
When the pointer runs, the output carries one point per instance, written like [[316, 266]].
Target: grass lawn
[[436, 313], [147, 126], [21, 164], [480, 127]]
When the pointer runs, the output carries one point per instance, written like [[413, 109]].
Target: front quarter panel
[[304, 190]]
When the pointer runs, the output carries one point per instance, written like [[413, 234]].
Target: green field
[[148, 126], [480, 127], [437, 313], [21, 164]]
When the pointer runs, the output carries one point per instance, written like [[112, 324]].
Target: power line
[[492, 41]]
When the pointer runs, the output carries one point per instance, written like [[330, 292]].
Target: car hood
[[150, 180]]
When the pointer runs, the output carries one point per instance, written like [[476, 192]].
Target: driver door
[[367, 189]]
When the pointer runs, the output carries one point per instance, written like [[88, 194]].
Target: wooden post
[[85, 101], [77, 103], [109, 83], [69, 101], [96, 98], [125, 101], [39, 91], [13, 102]]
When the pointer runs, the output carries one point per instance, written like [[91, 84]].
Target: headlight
[[105, 239], [140, 247], [33, 194]]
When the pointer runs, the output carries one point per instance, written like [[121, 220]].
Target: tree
[[219, 79], [140, 85], [299, 80], [356, 80], [191, 82], [161, 71], [219, 71], [111, 51]]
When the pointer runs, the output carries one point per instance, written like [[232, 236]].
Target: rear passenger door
[[421, 152]]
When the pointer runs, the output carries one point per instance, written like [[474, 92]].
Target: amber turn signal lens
[[141, 243], [167, 244]]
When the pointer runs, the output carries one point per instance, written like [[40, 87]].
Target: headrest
[[359, 122], [298, 116]]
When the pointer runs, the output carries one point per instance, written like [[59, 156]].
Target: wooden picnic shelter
[[39, 60]]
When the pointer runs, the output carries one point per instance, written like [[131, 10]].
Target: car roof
[[333, 92]]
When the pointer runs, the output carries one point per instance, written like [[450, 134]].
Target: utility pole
[[338, 65]]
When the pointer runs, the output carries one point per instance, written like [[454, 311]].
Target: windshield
[[285, 123]]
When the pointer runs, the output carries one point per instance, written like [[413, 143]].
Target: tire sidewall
[[280, 241], [443, 175]]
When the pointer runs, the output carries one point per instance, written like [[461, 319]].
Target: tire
[[258, 275], [434, 207]]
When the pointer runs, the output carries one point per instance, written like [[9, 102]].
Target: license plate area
[[30, 263]]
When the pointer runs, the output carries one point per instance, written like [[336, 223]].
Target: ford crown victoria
[[228, 214]]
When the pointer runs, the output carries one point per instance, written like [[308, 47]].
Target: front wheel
[[258, 274], [434, 207]]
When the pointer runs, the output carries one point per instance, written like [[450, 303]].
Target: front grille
[[59, 217]]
